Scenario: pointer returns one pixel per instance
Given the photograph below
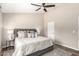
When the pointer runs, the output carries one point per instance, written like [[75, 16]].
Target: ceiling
[[20, 8], [25, 7]]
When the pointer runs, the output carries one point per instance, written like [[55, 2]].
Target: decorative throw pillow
[[32, 34], [21, 34], [29, 35], [36, 34]]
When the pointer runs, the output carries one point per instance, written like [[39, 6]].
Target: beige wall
[[22, 20], [65, 17]]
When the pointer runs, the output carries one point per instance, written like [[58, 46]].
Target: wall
[[22, 20], [65, 17]]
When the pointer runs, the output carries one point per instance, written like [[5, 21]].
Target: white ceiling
[[21, 8]]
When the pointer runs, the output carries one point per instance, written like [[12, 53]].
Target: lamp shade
[[10, 34], [10, 31]]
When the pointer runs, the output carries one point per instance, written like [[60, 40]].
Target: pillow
[[36, 34], [22, 34], [32, 34], [29, 35]]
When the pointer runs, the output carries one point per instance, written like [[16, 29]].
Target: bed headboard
[[16, 31]]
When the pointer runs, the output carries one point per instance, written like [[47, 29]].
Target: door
[[0, 28], [51, 31]]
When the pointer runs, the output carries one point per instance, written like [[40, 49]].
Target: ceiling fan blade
[[49, 6], [37, 9], [45, 10], [35, 5]]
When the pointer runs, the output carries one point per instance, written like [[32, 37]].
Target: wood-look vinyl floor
[[57, 51]]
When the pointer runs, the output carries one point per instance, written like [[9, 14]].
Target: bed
[[31, 46]]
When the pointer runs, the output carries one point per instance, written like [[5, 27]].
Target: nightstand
[[9, 44]]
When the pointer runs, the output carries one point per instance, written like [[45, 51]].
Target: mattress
[[25, 46]]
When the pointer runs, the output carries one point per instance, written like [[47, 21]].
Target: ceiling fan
[[43, 5]]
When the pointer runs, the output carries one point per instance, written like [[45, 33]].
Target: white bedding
[[25, 46]]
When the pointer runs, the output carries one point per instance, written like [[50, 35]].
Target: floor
[[57, 51]]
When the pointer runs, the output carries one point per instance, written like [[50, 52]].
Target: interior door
[[51, 31], [0, 28]]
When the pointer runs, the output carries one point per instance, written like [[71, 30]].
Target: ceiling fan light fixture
[[43, 5]]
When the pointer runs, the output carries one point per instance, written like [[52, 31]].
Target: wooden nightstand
[[9, 44]]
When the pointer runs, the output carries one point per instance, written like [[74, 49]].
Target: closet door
[[78, 32], [75, 33], [0, 28]]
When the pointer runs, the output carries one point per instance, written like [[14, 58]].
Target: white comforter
[[27, 46]]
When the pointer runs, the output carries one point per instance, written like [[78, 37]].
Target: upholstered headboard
[[16, 31]]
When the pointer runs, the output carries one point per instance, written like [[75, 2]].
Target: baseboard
[[68, 47]]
